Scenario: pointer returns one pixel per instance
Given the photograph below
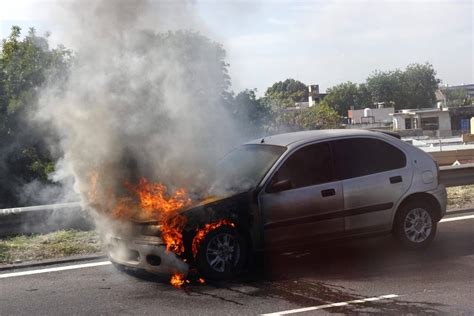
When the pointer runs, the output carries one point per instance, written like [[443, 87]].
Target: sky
[[316, 42]]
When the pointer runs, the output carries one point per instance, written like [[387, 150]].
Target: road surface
[[359, 276]]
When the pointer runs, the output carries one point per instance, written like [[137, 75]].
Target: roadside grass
[[58, 244], [461, 197]]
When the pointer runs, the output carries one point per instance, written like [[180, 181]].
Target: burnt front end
[[140, 246]]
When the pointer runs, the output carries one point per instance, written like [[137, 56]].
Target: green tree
[[364, 97], [252, 113], [319, 116], [342, 97], [25, 66], [387, 88], [286, 93], [457, 97], [414, 87], [420, 85]]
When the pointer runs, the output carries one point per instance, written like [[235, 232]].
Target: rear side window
[[356, 157], [308, 166]]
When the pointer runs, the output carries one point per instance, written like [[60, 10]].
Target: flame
[[153, 202], [154, 197], [171, 232], [201, 233], [177, 280]]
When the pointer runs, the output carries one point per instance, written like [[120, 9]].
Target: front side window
[[308, 166], [245, 166], [356, 157]]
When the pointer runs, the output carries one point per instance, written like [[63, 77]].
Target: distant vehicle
[[304, 187]]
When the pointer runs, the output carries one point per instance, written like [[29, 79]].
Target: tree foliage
[[457, 97], [420, 84], [413, 88], [252, 113], [387, 88], [25, 66], [283, 94], [342, 96], [319, 116]]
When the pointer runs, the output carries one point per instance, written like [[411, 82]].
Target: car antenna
[[265, 134]]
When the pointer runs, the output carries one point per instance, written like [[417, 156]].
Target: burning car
[[289, 189]]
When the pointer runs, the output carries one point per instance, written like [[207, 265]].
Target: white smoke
[[143, 98]]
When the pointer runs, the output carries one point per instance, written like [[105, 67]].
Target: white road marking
[[47, 270], [459, 218], [313, 308]]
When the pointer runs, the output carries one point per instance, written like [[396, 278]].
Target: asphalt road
[[370, 276]]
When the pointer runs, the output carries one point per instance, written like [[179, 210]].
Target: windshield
[[244, 167]]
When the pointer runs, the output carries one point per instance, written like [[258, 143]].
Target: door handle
[[328, 192], [396, 179]]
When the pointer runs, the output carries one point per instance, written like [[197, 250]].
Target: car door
[[302, 200], [375, 175]]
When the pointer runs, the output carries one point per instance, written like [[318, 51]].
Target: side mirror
[[281, 185]]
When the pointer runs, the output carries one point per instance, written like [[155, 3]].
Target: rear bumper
[[147, 253], [442, 197]]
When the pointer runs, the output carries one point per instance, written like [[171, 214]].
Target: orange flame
[[152, 201], [154, 197], [177, 280], [171, 232], [201, 233], [156, 203]]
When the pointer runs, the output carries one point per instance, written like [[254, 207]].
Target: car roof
[[295, 138]]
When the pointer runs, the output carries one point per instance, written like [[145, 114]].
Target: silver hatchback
[[298, 188], [346, 182]]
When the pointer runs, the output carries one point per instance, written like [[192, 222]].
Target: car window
[[356, 157], [310, 165], [244, 167]]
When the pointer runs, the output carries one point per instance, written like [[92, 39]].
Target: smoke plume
[[143, 99]]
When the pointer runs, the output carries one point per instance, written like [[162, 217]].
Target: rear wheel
[[222, 254], [415, 225]]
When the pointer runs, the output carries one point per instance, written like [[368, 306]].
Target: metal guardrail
[[39, 208], [43, 219], [448, 157], [452, 176]]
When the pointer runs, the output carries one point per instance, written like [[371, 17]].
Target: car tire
[[415, 225], [222, 254]]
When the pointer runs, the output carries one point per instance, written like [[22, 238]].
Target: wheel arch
[[419, 197], [239, 227]]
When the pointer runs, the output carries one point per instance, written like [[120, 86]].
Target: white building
[[431, 122], [367, 116]]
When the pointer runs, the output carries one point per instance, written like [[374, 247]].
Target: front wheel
[[415, 226], [222, 254]]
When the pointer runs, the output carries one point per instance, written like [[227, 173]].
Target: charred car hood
[[209, 209], [233, 207]]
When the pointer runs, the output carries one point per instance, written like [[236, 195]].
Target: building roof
[[305, 136], [418, 111]]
